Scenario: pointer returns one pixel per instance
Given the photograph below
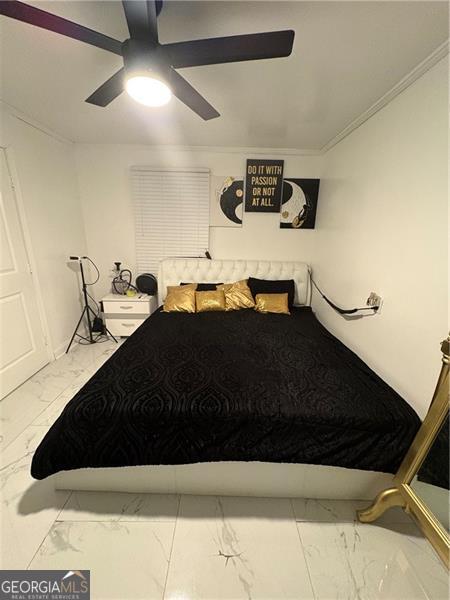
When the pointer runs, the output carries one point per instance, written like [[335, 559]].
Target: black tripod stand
[[86, 310]]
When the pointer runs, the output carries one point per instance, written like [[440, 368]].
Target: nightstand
[[124, 314]]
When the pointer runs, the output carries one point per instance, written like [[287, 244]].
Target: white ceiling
[[346, 55]]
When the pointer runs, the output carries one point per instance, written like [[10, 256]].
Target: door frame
[[20, 206]]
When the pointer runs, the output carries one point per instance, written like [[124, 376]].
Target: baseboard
[[61, 349]]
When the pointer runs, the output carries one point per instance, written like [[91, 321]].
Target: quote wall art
[[263, 185]]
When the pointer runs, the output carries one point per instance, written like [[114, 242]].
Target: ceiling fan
[[149, 74]]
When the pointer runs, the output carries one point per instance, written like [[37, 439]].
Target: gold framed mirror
[[421, 485]]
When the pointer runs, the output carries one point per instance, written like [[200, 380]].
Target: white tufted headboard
[[173, 271]]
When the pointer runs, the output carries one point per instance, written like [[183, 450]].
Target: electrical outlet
[[374, 300]]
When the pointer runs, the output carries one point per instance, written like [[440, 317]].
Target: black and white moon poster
[[227, 197], [263, 185], [299, 203]]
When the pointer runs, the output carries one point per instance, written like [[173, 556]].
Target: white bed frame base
[[232, 478]]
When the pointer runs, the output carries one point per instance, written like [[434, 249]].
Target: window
[[171, 214]]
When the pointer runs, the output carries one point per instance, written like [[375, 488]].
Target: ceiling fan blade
[[189, 95], [45, 20], [109, 91], [234, 48], [141, 19]]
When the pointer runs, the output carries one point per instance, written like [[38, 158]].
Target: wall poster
[[227, 197], [263, 185], [299, 203]]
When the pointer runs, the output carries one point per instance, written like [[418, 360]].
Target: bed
[[235, 402]]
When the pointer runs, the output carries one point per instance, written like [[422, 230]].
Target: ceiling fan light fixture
[[147, 89]]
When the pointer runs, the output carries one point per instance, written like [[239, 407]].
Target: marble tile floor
[[143, 546]]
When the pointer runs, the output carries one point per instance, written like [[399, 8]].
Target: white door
[[22, 344]]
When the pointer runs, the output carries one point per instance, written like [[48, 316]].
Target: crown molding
[[20, 116], [419, 70], [260, 151]]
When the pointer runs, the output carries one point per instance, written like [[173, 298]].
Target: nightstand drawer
[[123, 327], [126, 307]]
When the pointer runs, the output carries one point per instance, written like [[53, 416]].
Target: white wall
[[103, 174], [46, 172], [382, 226]]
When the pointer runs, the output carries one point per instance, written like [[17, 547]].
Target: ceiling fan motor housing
[[139, 55]]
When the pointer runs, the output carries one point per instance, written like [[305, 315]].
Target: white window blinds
[[171, 214]]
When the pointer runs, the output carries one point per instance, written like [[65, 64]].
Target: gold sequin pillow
[[272, 303], [209, 301], [187, 286], [180, 299], [237, 295]]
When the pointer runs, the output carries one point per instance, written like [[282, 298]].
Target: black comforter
[[235, 386]]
